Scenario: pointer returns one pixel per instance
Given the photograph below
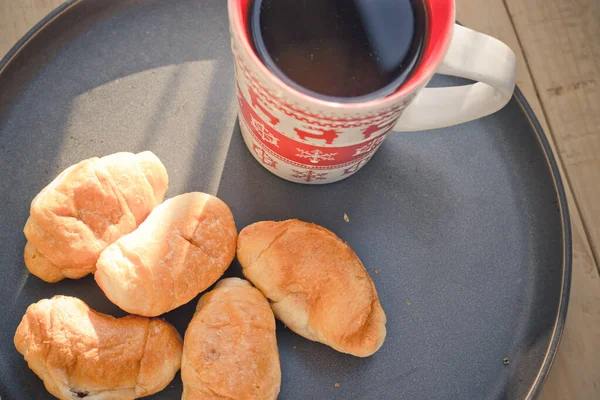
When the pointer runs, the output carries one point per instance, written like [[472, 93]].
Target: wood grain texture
[[560, 42], [575, 374], [18, 16], [490, 17]]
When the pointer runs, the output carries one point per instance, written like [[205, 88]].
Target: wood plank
[[490, 17], [18, 16], [561, 42], [575, 374]]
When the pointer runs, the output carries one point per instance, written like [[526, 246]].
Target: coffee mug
[[310, 140]]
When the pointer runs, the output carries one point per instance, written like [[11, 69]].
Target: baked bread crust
[[230, 350], [316, 284], [182, 248], [87, 207], [81, 353]]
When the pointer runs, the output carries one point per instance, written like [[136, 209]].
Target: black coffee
[[340, 48]]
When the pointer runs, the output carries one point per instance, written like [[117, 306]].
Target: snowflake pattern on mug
[[263, 156], [264, 133], [353, 168], [315, 156], [369, 147], [309, 175]]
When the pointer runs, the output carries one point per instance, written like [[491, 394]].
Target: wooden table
[[557, 43]]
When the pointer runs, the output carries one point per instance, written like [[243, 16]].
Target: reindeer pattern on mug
[[305, 145]]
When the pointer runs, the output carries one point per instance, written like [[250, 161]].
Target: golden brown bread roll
[[316, 284], [230, 350], [81, 353], [182, 248], [87, 207]]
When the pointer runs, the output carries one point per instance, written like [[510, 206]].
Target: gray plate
[[468, 226]]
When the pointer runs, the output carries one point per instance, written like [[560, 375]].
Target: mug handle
[[474, 56]]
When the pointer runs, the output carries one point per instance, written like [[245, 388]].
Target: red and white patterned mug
[[305, 139]]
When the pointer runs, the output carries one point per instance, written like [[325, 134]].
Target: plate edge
[[550, 159], [559, 326], [37, 28]]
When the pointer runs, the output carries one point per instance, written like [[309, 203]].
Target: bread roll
[[181, 249], [87, 207], [230, 350], [81, 353], [316, 284]]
